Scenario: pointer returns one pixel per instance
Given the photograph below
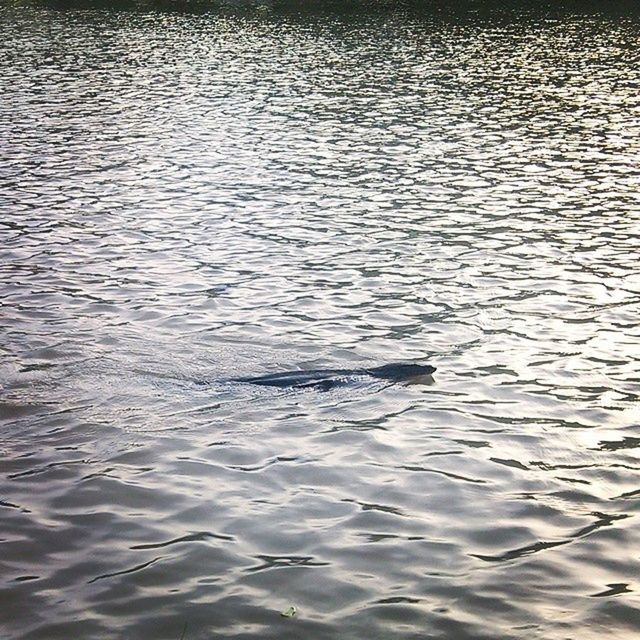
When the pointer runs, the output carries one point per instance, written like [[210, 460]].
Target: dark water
[[190, 197]]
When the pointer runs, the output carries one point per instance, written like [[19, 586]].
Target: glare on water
[[191, 197]]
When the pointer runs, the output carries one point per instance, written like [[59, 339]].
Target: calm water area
[[191, 196]]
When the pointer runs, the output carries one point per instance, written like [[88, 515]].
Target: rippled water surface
[[192, 197]]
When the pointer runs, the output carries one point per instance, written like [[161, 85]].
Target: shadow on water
[[458, 10]]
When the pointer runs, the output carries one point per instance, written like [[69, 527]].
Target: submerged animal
[[326, 379]]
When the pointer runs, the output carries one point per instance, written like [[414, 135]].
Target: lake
[[190, 196]]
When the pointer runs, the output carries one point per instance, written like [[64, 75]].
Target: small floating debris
[[289, 612]]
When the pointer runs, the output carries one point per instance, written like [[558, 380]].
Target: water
[[189, 197]]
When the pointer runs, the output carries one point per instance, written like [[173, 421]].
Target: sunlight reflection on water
[[188, 198]]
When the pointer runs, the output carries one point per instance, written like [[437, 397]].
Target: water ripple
[[194, 194]]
